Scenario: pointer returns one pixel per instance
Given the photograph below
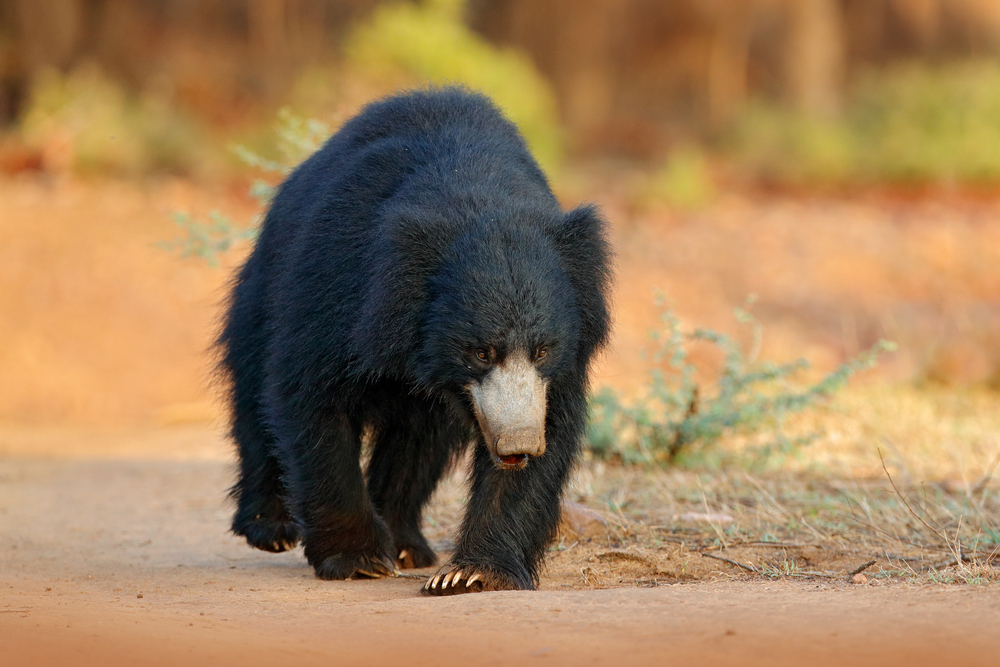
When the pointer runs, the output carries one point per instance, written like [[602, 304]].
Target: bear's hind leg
[[412, 451], [262, 516]]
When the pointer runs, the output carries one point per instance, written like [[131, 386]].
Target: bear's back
[[417, 139], [355, 233]]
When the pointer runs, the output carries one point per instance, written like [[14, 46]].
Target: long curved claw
[[456, 580]]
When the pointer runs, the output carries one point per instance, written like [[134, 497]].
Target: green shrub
[[906, 124], [914, 123], [683, 182], [427, 43], [102, 129], [207, 240], [677, 422]]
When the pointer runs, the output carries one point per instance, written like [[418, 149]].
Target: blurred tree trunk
[[215, 54], [51, 31], [726, 78], [266, 24], [588, 86], [922, 19], [815, 55], [630, 75]]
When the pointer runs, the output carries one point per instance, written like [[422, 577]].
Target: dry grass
[[802, 527], [903, 477], [943, 435]]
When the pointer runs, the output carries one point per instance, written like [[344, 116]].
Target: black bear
[[415, 283]]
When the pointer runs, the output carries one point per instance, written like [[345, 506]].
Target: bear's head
[[501, 324]]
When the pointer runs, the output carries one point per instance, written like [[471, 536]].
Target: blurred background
[[837, 159]]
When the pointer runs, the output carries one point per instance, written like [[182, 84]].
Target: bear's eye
[[540, 353], [483, 356]]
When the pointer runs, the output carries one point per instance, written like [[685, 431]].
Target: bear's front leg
[[511, 519], [343, 535]]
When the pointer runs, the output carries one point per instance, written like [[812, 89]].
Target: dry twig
[[861, 569], [758, 543], [748, 568]]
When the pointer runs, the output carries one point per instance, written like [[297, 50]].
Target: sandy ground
[[115, 550]]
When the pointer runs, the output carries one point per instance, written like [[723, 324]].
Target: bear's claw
[[355, 566], [471, 581], [414, 553], [376, 569], [282, 545]]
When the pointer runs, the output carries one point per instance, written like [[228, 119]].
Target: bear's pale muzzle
[[510, 407]]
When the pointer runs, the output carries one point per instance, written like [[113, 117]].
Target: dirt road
[[117, 552]]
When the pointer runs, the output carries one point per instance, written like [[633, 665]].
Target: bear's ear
[[581, 240]]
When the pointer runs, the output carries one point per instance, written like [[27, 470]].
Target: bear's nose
[[521, 442]]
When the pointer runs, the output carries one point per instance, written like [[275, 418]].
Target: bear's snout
[[509, 404]]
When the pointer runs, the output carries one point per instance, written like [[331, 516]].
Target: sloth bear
[[415, 285]]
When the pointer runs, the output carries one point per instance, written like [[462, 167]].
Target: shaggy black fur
[[421, 232]]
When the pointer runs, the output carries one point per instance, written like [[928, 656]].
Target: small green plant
[[207, 240], [779, 569], [298, 138], [676, 422]]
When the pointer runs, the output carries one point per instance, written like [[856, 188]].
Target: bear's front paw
[[355, 566], [455, 579]]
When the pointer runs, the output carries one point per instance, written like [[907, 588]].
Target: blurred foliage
[[929, 123], [773, 143], [207, 240], [87, 122], [683, 182], [400, 45], [297, 139], [424, 43], [907, 124], [676, 422]]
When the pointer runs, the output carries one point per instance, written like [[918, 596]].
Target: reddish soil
[[115, 550]]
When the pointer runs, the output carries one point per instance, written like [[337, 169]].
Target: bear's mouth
[[511, 461]]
